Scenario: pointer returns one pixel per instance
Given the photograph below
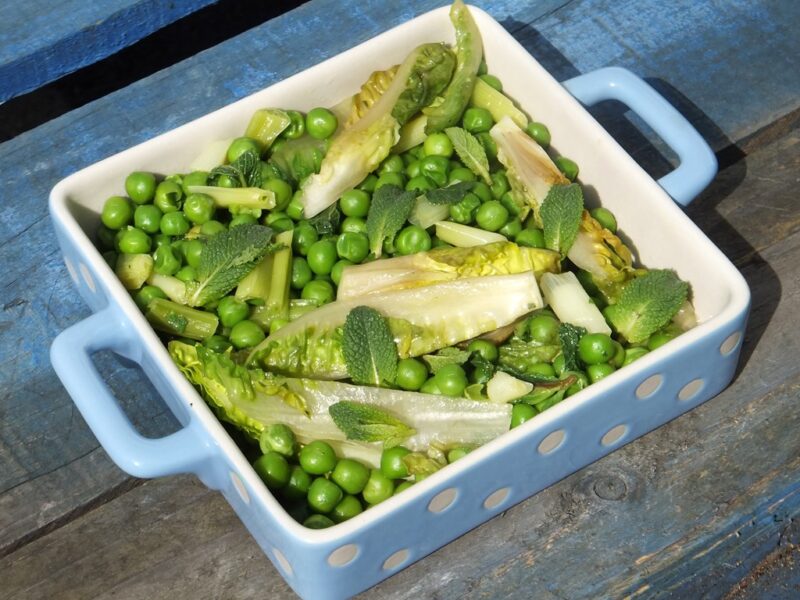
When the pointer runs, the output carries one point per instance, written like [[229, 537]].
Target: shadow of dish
[[649, 150]]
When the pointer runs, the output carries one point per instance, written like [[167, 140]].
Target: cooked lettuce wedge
[[421, 319]]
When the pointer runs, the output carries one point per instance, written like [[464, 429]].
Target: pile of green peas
[[320, 489]]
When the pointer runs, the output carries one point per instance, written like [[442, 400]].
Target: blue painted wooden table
[[705, 506]]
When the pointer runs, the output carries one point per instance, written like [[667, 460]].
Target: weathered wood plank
[[41, 41], [687, 510]]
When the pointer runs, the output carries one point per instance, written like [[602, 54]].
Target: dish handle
[[698, 165], [184, 451]]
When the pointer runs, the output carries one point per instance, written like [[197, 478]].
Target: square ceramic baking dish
[[345, 559]]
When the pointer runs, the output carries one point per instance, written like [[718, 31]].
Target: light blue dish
[[344, 560]]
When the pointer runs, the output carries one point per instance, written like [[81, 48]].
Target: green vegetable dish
[[367, 292]]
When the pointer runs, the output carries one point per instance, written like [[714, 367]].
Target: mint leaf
[[327, 222], [370, 353], [561, 216], [646, 304], [470, 151], [246, 170], [452, 194], [388, 212], [368, 423], [227, 258], [570, 335], [444, 357]]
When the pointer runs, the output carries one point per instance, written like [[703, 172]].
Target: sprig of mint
[[370, 353], [470, 151], [388, 212], [561, 216], [368, 423]]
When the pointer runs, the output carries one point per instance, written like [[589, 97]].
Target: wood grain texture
[[686, 511], [40, 41]]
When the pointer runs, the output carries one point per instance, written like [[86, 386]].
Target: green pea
[[491, 215], [605, 217], [354, 203], [186, 274], [465, 210], [482, 191], [451, 380], [632, 354], [392, 164], [282, 191], [336, 272], [568, 167], [321, 256], [368, 185], [160, 239], [174, 223], [512, 228], [596, 348], [539, 133], [520, 413], [294, 209], [348, 508], [477, 120], [500, 184], [317, 458], [599, 371], [411, 374], [492, 81], [199, 208], [392, 465], [431, 387], [559, 365], [455, 454], [282, 224], [402, 486], [618, 359], [378, 488], [318, 522], [353, 225], [273, 470], [352, 246], [532, 238], [580, 384], [147, 217], [212, 227], [278, 438], [321, 123], [242, 219], [193, 178], [437, 168], [460, 174], [324, 495], [147, 294], [140, 187], [350, 475], [392, 178], [241, 145], [320, 290], [168, 196], [134, 241], [438, 144], [413, 169], [226, 181], [508, 202], [656, 340], [301, 273], [231, 310], [420, 184], [543, 328], [297, 486], [276, 324], [412, 239], [297, 126], [246, 334], [305, 235], [192, 251], [485, 349], [166, 263], [105, 238], [541, 369], [117, 212], [217, 343]]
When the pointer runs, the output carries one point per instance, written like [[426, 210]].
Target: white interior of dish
[[662, 234]]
